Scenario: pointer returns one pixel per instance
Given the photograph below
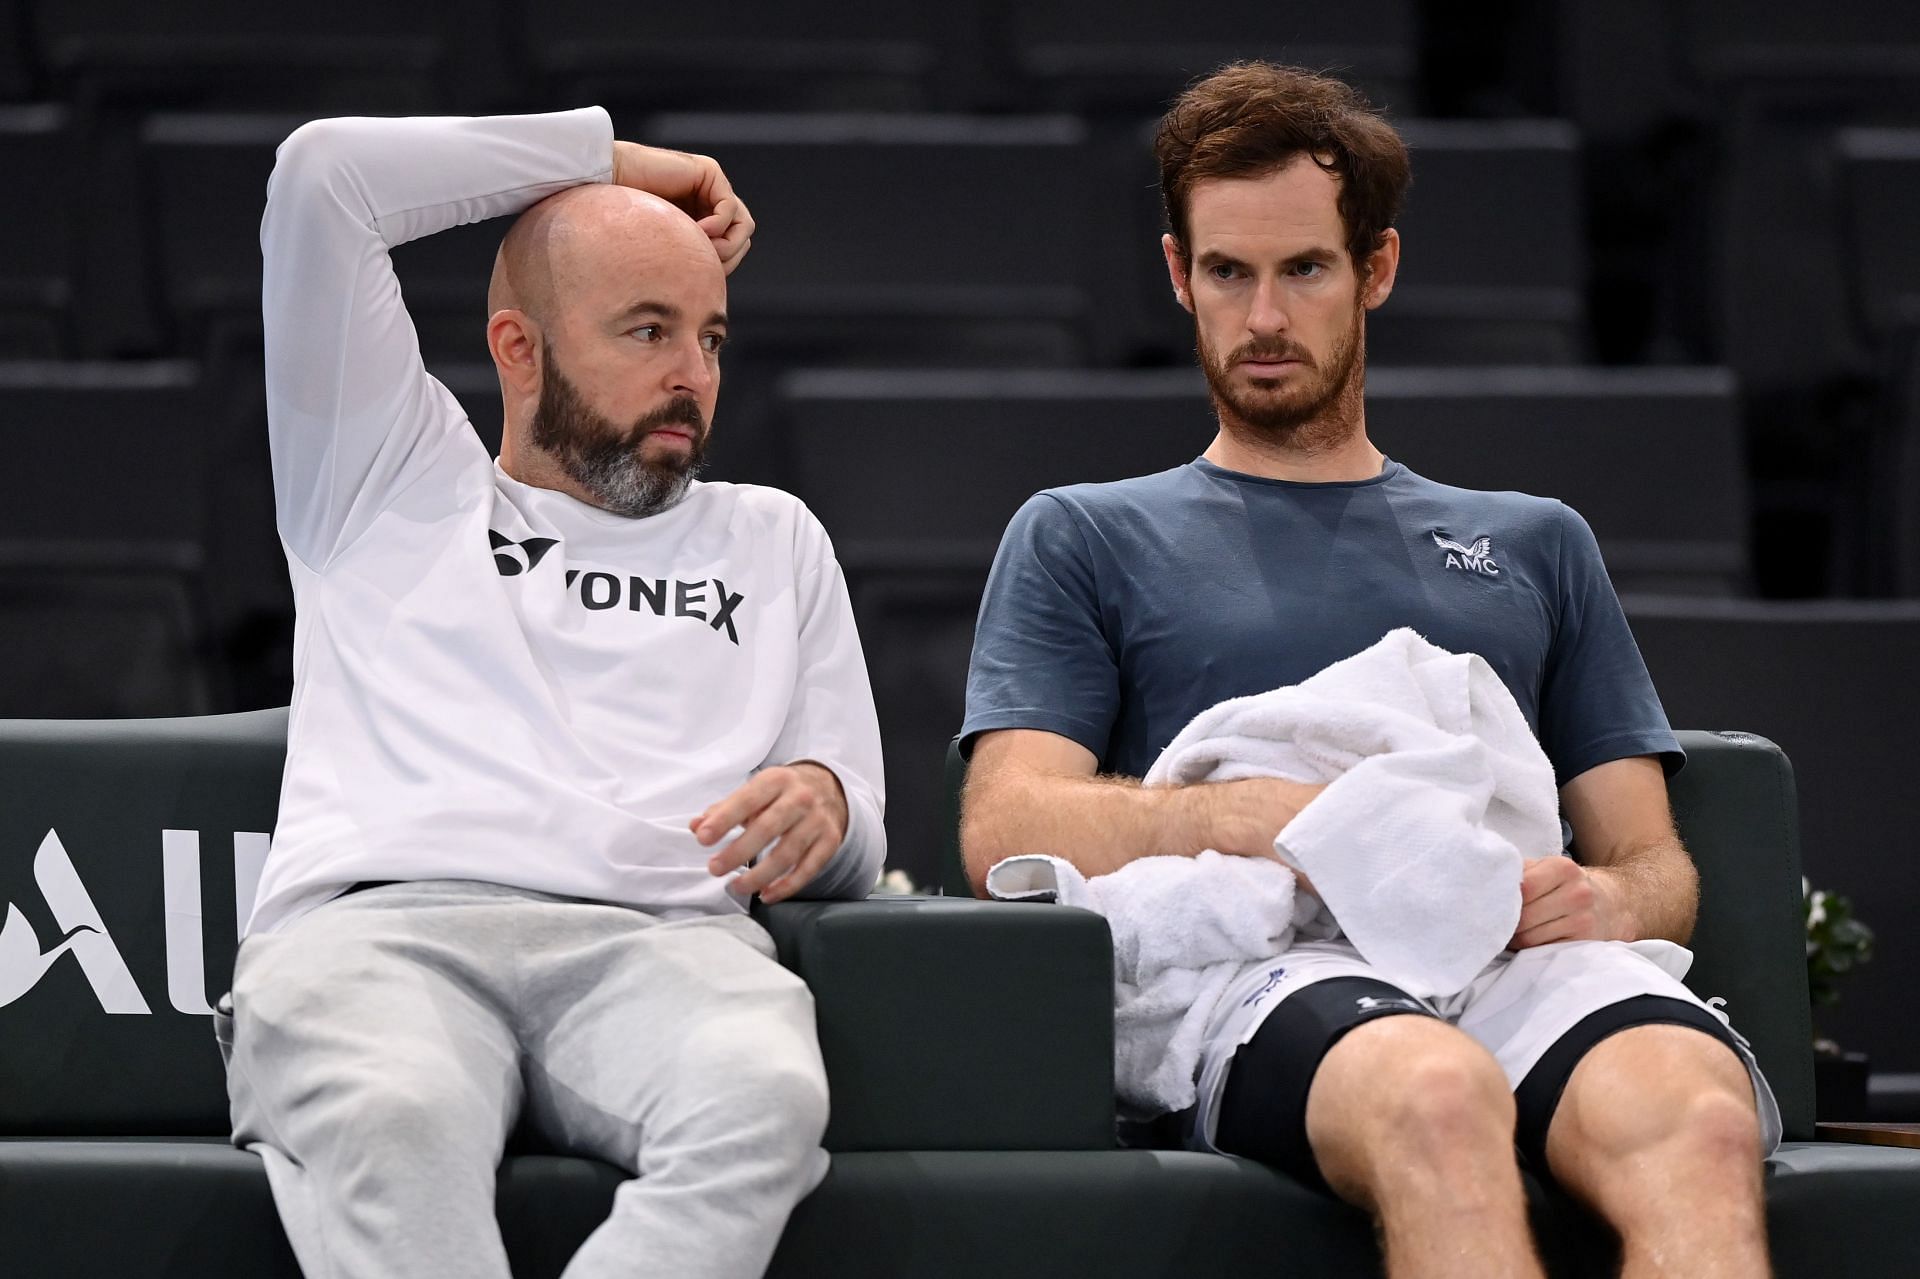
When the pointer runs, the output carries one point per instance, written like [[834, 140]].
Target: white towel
[[1437, 790], [1183, 930]]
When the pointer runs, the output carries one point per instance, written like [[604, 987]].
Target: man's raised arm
[[1036, 792], [351, 412]]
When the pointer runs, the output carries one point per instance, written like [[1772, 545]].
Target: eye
[[1222, 270], [647, 332], [712, 342], [1309, 270]]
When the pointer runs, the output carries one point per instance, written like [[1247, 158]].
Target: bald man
[[556, 718]]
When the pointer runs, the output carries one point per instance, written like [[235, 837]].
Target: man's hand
[[694, 183], [1561, 900], [800, 805]]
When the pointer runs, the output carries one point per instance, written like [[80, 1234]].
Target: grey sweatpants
[[383, 1046]]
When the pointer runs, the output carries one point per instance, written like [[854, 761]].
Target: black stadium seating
[[1833, 681], [1650, 457], [1880, 169], [103, 595], [346, 56], [37, 207], [1126, 56]]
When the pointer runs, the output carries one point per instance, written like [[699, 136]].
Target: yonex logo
[[1477, 558], [514, 558]]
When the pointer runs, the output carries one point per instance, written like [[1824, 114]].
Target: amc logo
[[85, 939]]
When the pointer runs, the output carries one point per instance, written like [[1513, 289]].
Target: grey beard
[[627, 486]]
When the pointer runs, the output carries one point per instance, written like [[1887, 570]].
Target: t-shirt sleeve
[[1041, 657], [1597, 702]]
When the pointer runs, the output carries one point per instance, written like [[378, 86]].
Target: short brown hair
[[1249, 119]]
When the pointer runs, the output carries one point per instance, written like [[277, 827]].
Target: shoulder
[[763, 517], [1545, 526], [1114, 504]]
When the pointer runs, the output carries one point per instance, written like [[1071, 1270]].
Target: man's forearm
[[1653, 892], [1099, 824]]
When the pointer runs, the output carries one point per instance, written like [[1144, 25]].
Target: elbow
[[309, 161], [312, 148], [981, 841]]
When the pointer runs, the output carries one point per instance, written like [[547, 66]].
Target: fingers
[[784, 821], [730, 227], [735, 810], [781, 873], [1557, 904]]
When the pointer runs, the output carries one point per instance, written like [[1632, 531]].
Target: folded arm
[[352, 414], [1030, 791], [1633, 879]]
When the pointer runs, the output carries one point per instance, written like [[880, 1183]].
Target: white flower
[[1816, 910], [895, 882]]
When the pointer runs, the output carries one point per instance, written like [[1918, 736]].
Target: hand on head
[[695, 184]]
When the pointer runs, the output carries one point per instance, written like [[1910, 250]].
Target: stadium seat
[[1651, 457], [350, 56], [1880, 170], [38, 153], [204, 180], [862, 55], [1131, 56], [889, 238], [1831, 682], [103, 551]]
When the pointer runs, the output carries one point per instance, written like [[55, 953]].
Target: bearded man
[[556, 719], [1115, 613]]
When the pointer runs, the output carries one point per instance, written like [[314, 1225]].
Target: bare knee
[[1408, 1093]]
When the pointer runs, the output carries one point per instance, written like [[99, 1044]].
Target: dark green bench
[[968, 1045]]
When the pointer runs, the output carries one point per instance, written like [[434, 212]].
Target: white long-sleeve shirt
[[494, 681]]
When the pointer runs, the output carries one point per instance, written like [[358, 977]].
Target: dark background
[[1660, 262]]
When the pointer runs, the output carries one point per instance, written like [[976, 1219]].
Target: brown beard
[[1319, 415], [605, 458]]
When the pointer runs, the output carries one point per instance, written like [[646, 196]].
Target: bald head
[[556, 251]]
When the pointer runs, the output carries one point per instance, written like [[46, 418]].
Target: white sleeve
[[832, 720], [352, 414]]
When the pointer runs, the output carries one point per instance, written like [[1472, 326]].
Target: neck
[[537, 468], [1331, 447], [1353, 459]]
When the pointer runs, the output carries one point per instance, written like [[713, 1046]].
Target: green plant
[[1837, 943]]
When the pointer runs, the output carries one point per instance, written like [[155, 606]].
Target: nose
[[691, 372], [1266, 317]]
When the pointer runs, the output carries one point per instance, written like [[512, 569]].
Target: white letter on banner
[[186, 933], [85, 934]]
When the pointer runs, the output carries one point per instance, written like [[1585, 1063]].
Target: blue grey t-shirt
[[1117, 612]]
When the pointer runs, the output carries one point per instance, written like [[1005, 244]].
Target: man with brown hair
[[1117, 612]]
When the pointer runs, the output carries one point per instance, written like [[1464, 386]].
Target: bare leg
[[1657, 1131], [1412, 1120]]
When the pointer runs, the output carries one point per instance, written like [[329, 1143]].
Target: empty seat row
[[366, 56], [884, 239]]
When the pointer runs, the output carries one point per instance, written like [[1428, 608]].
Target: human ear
[[1177, 270]]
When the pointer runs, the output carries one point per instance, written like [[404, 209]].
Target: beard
[[1313, 409], [607, 459]]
